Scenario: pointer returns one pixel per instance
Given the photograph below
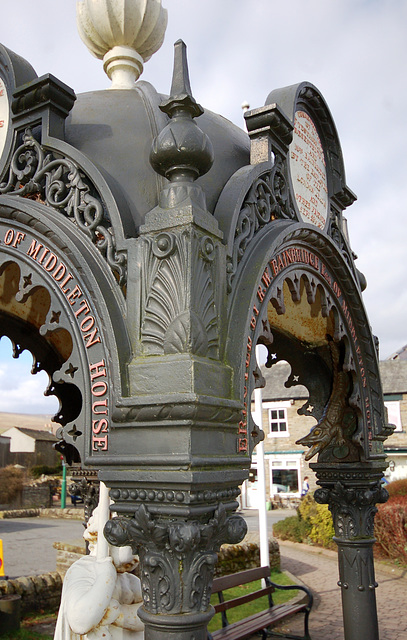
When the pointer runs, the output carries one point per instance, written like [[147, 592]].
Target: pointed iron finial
[[181, 94], [182, 151]]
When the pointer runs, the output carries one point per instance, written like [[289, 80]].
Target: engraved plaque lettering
[[308, 171]]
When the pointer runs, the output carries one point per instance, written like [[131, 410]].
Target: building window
[[278, 422], [284, 474], [393, 413], [284, 481]]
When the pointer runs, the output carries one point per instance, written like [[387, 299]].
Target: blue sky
[[354, 51]]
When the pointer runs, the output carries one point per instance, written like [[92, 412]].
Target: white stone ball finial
[[124, 33]]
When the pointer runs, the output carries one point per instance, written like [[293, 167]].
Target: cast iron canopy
[[115, 130]]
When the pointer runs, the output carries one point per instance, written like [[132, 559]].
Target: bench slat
[[243, 577], [262, 620], [247, 627], [236, 602]]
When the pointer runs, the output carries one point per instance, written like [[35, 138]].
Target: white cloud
[[22, 392]]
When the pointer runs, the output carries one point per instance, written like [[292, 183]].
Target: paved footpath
[[319, 571]]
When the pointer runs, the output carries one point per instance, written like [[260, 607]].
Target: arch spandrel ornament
[[37, 163], [56, 305], [305, 306], [308, 288]]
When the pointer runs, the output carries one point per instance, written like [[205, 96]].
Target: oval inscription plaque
[[4, 115], [308, 171]]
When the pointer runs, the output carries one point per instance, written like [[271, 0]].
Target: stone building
[[29, 447], [394, 380], [285, 464]]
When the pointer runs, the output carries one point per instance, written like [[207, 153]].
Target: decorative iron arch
[[60, 303], [288, 264]]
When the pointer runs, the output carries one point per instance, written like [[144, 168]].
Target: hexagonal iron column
[[352, 505], [182, 511]]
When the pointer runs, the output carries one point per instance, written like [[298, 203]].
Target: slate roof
[[401, 354], [275, 388], [37, 434], [393, 374]]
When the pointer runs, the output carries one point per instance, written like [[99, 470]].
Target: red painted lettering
[[59, 272], [33, 249], [89, 321], [90, 338], [65, 282], [19, 236], [74, 294], [44, 255], [97, 370], [9, 237], [101, 425], [274, 267], [100, 403], [51, 262], [100, 443], [99, 388], [266, 278], [84, 307], [260, 294]]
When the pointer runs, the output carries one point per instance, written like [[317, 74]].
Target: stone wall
[[67, 554], [33, 496], [239, 557], [72, 514], [37, 592], [231, 557]]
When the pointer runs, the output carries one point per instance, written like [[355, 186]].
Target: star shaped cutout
[[71, 370], [55, 317], [74, 433], [27, 280]]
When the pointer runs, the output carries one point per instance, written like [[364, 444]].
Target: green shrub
[[308, 508], [292, 528], [322, 530], [43, 469], [313, 522], [11, 483], [397, 488]]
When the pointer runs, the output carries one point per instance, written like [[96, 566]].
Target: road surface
[[27, 542]]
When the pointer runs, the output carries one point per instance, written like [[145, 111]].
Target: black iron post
[[353, 507]]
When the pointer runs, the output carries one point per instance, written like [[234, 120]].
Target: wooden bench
[[259, 622]]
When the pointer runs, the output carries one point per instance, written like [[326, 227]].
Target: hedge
[[391, 529], [313, 524]]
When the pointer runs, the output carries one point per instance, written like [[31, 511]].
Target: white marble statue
[[100, 598]]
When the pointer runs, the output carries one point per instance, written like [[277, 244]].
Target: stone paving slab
[[318, 569]]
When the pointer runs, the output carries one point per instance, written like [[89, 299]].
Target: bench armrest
[[286, 587]]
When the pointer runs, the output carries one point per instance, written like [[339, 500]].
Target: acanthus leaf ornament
[[177, 557], [353, 509], [171, 321]]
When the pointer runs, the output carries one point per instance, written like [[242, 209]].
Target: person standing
[[305, 487]]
